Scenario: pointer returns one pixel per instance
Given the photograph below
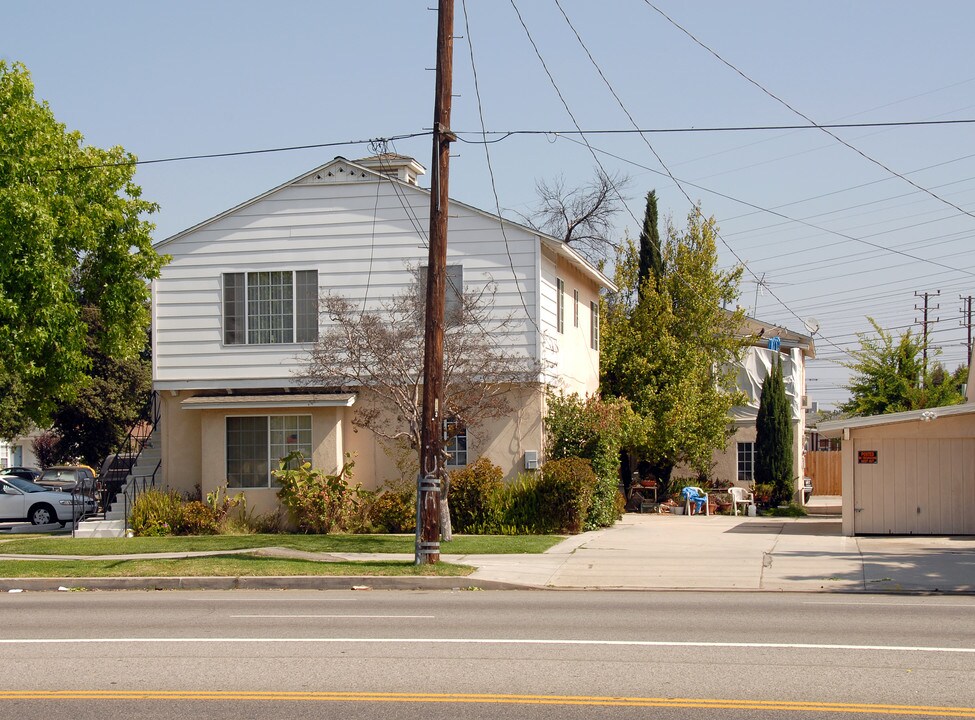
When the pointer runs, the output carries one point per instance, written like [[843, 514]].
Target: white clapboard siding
[[362, 248]]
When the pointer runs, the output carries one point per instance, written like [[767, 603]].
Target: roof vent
[[399, 167]]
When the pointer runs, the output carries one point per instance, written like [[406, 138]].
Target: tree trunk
[[446, 529]]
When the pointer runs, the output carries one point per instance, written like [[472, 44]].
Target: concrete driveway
[[739, 553]]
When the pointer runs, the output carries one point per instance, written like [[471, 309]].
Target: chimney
[[400, 167]]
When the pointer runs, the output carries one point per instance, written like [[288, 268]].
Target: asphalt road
[[462, 654]]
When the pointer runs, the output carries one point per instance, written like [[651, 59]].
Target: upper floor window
[[270, 307], [560, 304], [594, 325], [575, 308]]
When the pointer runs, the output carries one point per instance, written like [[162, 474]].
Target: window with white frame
[[594, 325], [256, 444], [270, 307], [560, 304], [575, 308], [455, 442], [746, 462]]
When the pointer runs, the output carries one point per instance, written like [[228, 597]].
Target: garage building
[[908, 473]]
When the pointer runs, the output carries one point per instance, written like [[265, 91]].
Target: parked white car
[[22, 500]]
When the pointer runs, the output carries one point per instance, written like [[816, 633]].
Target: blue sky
[[185, 78]]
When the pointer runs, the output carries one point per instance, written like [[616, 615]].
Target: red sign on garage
[[867, 457]]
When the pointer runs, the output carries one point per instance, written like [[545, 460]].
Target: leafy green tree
[[670, 349], [773, 439], [72, 234], [651, 252], [888, 376], [96, 421]]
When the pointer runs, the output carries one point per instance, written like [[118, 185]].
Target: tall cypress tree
[[651, 253], [773, 440]]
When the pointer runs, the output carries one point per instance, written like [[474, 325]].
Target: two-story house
[[235, 313], [772, 344]]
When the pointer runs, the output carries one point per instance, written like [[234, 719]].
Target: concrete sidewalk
[[649, 552], [723, 552]]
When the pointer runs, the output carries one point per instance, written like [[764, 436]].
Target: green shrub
[[197, 519], [321, 503], [473, 497], [763, 493], [155, 513], [394, 510], [565, 492], [592, 429]]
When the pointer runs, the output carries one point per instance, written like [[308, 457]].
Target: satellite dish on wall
[[812, 325]]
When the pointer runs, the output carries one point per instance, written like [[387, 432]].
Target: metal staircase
[[143, 474]]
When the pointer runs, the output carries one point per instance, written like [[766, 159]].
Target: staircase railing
[[128, 453]]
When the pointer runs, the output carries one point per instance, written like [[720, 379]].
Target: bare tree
[[383, 351], [581, 217]]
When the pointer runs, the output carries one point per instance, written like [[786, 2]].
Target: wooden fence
[[826, 471]]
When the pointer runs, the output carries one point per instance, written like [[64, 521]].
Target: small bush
[[320, 503], [791, 510], [197, 519], [473, 498], [565, 491], [156, 513], [394, 509]]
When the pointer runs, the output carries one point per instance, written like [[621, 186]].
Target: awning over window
[[240, 402]]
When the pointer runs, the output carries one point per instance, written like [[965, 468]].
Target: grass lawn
[[220, 566], [460, 545]]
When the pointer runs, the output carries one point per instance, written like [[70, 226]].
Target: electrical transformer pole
[[431, 444]]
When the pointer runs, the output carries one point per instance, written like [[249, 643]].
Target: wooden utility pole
[[925, 322], [431, 443], [967, 323]]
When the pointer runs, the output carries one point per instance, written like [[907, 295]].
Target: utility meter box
[[531, 460]]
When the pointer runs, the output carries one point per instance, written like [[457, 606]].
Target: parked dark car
[[28, 473], [115, 469], [68, 478]]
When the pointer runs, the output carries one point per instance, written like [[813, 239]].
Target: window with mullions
[[270, 307], [560, 304], [575, 308], [594, 325], [256, 444], [455, 442], [746, 462]]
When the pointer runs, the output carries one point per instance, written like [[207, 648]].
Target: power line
[[805, 117], [645, 140], [505, 134], [239, 153]]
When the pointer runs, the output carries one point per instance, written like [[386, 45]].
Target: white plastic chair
[[741, 496]]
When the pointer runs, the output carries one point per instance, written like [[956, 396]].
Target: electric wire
[[653, 151], [805, 117]]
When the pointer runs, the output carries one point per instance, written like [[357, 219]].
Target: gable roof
[[350, 170]]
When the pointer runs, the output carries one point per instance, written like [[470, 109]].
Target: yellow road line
[[596, 701]]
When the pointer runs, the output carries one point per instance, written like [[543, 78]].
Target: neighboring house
[[737, 461], [235, 314], [909, 473], [18, 451]]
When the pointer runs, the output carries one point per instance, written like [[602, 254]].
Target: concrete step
[[101, 529]]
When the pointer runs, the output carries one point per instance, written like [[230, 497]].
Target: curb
[[298, 582]]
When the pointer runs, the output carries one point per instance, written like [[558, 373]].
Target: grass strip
[[460, 545], [222, 566]]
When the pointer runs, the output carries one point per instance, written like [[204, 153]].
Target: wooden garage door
[[915, 487]]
